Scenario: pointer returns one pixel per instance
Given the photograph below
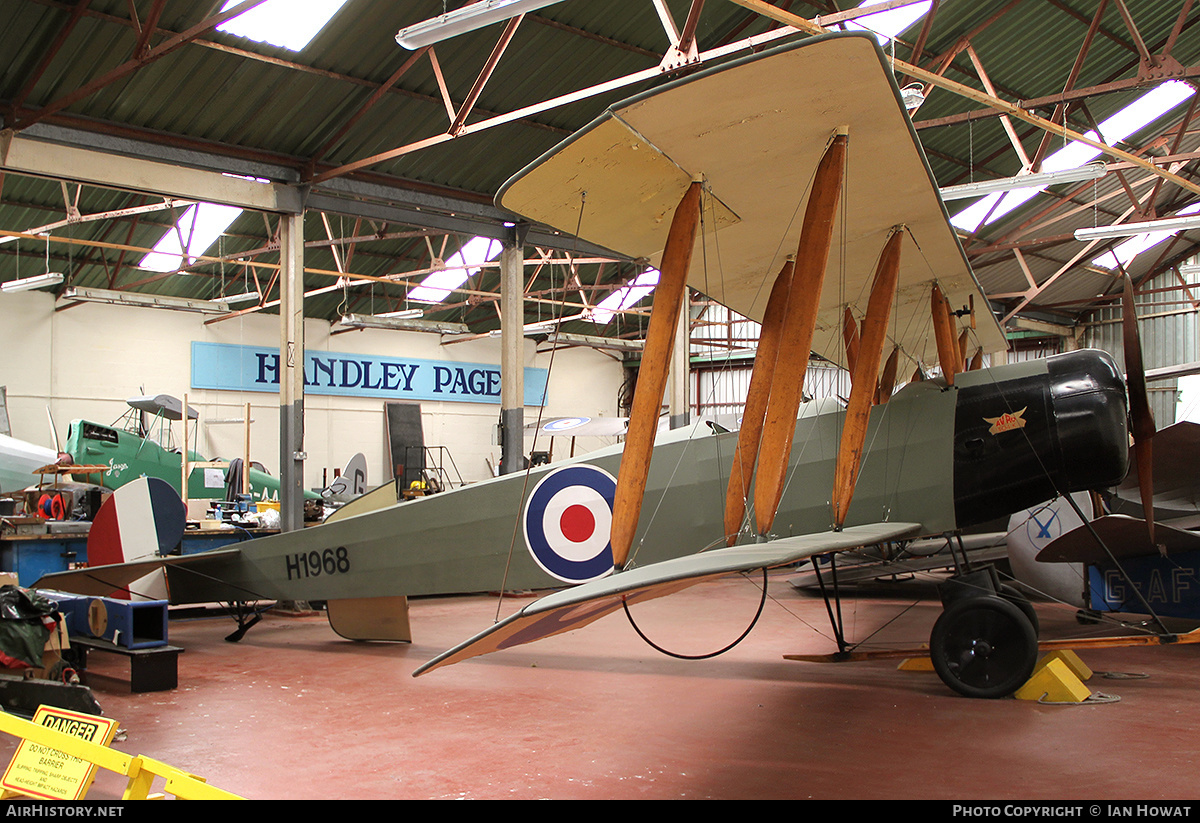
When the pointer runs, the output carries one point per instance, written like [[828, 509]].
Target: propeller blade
[[1139, 405]]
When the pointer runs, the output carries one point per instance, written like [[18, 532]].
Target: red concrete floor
[[295, 712]]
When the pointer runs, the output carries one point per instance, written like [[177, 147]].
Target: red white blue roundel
[[565, 424], [567, 522]]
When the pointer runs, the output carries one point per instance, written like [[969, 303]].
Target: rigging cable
[[679, 656]]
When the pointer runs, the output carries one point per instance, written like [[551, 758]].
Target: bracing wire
[[679, 656]]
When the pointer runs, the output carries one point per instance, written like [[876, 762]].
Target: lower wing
[[574, 608]]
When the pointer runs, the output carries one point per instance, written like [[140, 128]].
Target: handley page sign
[[251, 368]]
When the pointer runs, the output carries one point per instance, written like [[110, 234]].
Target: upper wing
[[574, 608], [755, 129]]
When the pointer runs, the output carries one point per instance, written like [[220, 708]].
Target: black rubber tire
[[1018, 599], [983, 647]]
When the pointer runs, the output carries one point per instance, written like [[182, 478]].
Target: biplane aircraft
[[140, 444], [790, 186]]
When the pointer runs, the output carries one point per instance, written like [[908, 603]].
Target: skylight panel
[[1121, 254], [1137, 115], [199, 228], [888, 24], [437, 286], [625, 297], [289, 24]]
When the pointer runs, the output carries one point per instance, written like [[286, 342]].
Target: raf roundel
[[567, 523], [565, 424]]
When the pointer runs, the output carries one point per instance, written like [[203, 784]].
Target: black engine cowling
[[1028, 432]]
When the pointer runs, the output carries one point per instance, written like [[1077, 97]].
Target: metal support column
[[512, 365], [677, 382], [291, 372]]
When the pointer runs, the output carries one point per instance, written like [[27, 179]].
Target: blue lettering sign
[[229, 367]]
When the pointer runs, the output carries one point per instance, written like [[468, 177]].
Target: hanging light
[[463, 20], [41, 281], [244, 297], [1170, 224], [1088, 171]]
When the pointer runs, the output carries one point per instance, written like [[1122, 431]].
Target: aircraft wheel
[[1015, 596], [983, 647]]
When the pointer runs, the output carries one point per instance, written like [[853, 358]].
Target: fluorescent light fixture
[[41, 281], [1088, 171], [403, 314], [371, 321], [625, 297], [199, 227], [153, 301], [244, 297], [461, 265], [548, 326], [463, 20], [289, 24], [1140, 241], [1168, 225], [1137, 115], [597, 342]]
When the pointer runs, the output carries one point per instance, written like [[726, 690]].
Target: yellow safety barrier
[[141, 771]]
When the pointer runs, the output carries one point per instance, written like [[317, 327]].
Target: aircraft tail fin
[[574, 608], [351, 483]]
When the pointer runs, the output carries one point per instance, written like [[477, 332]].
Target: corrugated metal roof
[[294, 115]]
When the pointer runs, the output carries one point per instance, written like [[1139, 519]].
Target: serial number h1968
[[316, 563]]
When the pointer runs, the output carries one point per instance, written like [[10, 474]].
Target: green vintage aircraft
[[139, 444], [723, 162]]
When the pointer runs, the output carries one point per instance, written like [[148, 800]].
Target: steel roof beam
[[21, 155]]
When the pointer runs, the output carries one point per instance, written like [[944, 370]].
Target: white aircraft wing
[[574, 608], [19, 461]]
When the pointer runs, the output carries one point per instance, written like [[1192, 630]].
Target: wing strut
[[943, 332], [864, 380], [851, 337], [796, 337], [761, 378], [887, 381], [647, 398]]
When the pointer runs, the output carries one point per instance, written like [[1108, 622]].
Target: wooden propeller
[[1139, 405]]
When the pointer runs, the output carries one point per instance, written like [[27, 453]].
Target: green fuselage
[[128, 457], [470, 539]]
